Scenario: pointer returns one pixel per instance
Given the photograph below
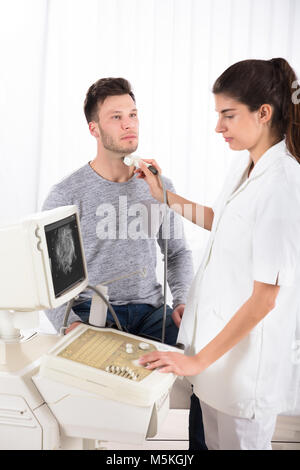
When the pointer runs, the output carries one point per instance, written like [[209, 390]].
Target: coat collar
[[268, 159]]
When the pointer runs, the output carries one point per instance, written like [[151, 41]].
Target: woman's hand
[[174, 362], [152, 180]]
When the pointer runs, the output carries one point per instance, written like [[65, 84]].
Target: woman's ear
[[265, 113]]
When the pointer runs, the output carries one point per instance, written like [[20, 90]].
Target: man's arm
[[180, 263]]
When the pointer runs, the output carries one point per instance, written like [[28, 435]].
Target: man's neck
[[111, 167]]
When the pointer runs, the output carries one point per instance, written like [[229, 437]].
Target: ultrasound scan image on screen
[[66, 258]]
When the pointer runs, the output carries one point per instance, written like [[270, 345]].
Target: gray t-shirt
[[120, 225]]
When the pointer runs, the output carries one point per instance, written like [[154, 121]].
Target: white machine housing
[[98, 404]]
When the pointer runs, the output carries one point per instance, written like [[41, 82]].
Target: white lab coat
[[255, 236]]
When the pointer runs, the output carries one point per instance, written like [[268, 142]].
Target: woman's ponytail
[[290, 105]]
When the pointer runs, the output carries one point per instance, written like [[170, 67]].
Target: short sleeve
[[276, 237], [54, 199]]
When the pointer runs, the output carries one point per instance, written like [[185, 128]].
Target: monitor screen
[[65, 255]]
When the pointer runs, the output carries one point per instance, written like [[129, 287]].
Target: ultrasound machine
[[67, 391]]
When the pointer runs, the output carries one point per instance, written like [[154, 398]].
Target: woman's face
[[241, 128]]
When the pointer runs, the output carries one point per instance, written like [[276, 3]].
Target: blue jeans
[[138, 319]]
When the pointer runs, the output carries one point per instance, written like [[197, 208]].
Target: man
[[115, 209]]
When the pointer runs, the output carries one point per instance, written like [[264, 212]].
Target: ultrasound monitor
[[42, 261], [65, 254]]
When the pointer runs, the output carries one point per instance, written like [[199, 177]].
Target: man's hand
[[72, 326], [178, 313]]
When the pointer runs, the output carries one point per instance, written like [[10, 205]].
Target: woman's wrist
[[202, 364], [159, 196]]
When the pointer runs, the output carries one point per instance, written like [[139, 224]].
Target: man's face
[[118, 124]]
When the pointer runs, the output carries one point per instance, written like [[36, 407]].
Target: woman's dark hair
[[257, 82], [100, 90]]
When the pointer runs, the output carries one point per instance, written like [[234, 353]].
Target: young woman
[[240, 322]]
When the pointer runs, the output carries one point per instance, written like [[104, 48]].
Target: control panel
[[109, 352], [105, 362]]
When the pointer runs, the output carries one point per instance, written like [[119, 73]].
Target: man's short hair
[[100, 90]]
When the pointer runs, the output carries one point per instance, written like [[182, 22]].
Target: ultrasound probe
[[132, 160]]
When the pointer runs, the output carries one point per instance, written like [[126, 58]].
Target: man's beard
[[109, 144]]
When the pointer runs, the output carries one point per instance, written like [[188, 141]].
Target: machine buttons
[[129, 348], [144, 346], [125, 372]]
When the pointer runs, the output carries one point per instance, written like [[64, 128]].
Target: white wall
[[171, 50]]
